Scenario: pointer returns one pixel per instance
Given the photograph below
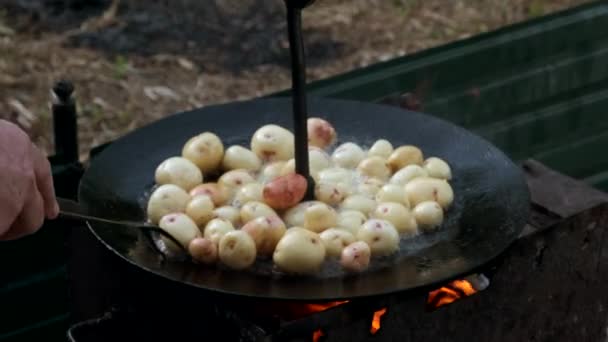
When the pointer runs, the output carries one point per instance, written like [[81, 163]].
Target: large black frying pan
[[490, 208]]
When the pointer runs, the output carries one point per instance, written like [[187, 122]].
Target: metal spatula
[[69, 209]]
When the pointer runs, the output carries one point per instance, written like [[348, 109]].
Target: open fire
[[450, 293]]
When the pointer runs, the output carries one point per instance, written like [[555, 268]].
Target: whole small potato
[[381, 237], [428, 214], [203, 250], [348, 155], [271, 171], [351, 220], [231, 181], [320, 133], [216, 228], [266, 233], [437, 168], [166, 199], [217, 193], [360, 203], [404, 156], [237, 250], [355, 257], [230, 213], [289, 167], [285, 192], [272, 143], [238, 157], [430, 189], [319, 217], [294, 217], [200, 210], [341, 176], [206, 150], [375, 167], [370, 187], [248, 193], [253, 210], [403, 176], [181, 227], [381, 148], [393, 193], [318, 159], [336, 240], [400, 216], [179, 171], [330, 193], [300, 251]]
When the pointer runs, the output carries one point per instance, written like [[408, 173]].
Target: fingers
[[31, 217], [44, 182]]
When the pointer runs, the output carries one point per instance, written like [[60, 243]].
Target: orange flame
[[377, 320], [450, 293], [316, 336]]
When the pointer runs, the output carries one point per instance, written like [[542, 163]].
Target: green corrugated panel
[[53, 329]]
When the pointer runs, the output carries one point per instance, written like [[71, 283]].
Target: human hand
[[27, 194]]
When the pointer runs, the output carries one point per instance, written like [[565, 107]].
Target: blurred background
[[135, 61]]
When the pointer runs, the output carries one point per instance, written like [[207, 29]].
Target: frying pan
[[489, 211]]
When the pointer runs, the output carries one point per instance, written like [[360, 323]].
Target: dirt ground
[[133, 61]]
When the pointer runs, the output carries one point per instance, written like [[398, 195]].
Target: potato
[[348, 155], [294, 217], [370, 187], [237, 250], [218, 194], [381, 148], [266, 233], [393, 193], [200, 210], [332, 194], [271, 171], [248, 193], [238, 157], [179, 171], [203, 250], [360, 203], [430, 189], [229, 213], [375, 167], [319, 217], [400, 216], [252, 210], [216, 228], [355, 257], [437, 168], [320, 133], [231, 181], [285, 192], [181, 227], [289, 167], [166, 199], [381, 237], [403, 176], [404, 156], [336, 240], [300, 251], [351, 220], [318, 160], [272, 143], [206, 150], [428, 214], [338, 175]]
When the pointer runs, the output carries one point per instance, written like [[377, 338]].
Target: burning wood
[[450, 293], [316, 336], [376, 321]]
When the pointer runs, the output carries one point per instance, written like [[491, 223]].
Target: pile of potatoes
[[237, 204]]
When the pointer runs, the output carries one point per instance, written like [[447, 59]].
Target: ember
[[450, 293], [316, 336], [376, 322]]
